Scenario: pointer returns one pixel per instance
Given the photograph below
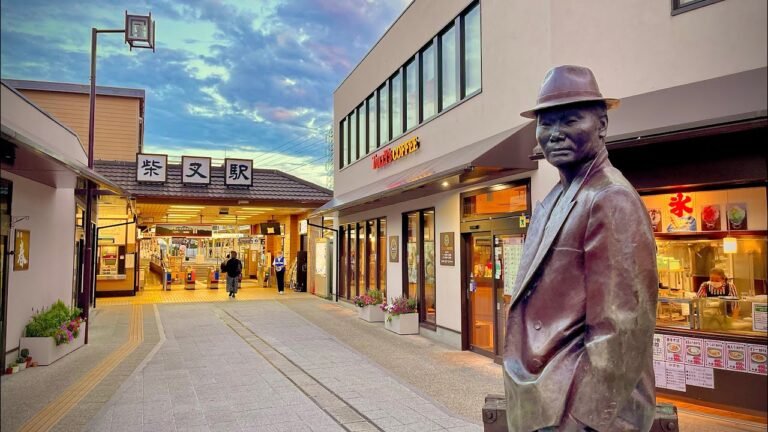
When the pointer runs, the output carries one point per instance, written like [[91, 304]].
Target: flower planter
[[403, 323], [45, 350], [22, 366], [370, 313]]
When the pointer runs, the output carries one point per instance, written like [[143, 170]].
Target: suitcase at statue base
[[495, 416]]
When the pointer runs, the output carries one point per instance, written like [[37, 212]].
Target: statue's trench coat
[[582, 313]]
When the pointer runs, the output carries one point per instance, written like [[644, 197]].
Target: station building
[[151, 233], [436, 173]]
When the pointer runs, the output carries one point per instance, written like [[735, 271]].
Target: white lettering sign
[[151, 167], [238, 172], [195, 170]]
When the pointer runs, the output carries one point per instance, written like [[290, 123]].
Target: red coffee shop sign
[[388, 155]]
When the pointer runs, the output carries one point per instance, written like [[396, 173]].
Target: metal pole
[[85, 302]]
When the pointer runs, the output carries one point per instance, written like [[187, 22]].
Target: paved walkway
[[258, 366], [283, 363]]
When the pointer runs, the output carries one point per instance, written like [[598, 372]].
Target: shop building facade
[[433, 158], [42, 175]]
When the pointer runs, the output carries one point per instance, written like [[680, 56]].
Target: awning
[[500, 155], [728, 99], [36, 146]]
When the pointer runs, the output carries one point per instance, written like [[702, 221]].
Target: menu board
[[760, 317], [736, 356], [673, 346], [658, 347], [512, 253], [699, 376], [758, 355], [714, 354], [694, 351], [675, 376], [660, 373]]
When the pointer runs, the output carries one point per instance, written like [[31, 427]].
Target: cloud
[[235, 76]]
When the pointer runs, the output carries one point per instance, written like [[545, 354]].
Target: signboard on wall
[[21, 250], [394, 249], [151, 168], [447, 249], [173, 230], [238, 172], [195, 170]]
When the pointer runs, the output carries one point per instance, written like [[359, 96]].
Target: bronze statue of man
[[581, 317]]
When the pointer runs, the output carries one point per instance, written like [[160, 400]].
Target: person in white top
[[279, 263]]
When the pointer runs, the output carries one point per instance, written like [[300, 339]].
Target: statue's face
[[571, 135]]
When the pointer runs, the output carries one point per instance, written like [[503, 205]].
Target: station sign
[[177, 230], [389, 155]]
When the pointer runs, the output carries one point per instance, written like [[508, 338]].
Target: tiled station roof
[[268, 185]]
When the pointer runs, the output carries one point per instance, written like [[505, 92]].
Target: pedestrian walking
[[234, 269], [279, 263]]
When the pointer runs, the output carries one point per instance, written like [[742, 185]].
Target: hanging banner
[[173, 230]]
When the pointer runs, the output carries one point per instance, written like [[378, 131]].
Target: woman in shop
[[279, 263], [717, 286]]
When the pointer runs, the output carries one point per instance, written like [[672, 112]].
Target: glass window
[[449, 67], [383, 256], [343, 272], [353, 136], [397, 104], [343, 136], [352, 285], [429, 77], [411, 95], [428, 232], [362, 123], [496, 200], [384, 114], [361, 259], [372, 116], [412, 254], [472, 51], [371, 250]]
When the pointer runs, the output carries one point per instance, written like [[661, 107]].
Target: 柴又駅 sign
[[172, 230], [387, 156]]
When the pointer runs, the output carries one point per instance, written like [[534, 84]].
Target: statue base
[[495, 416]]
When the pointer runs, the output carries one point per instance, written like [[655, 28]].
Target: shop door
[[480, 294], [507, 251]]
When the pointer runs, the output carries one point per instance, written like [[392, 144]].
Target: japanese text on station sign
[[195, 170], [151, 167], [238, 172]]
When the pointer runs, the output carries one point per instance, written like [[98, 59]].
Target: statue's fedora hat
[[568, 84]]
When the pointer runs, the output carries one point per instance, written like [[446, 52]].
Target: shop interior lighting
[[186, 207], [446, 184], [729, 245]]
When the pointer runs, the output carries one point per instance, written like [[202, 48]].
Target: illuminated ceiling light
[[729, 245], [256, 208], [186, 207], [446, 184]]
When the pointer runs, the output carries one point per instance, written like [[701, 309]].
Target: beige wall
[[633, 47], [117, 121]]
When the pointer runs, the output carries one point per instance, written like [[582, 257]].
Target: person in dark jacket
[[279, 263], [234, 268]]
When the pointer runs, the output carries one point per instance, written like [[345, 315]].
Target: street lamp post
[[139, 33]]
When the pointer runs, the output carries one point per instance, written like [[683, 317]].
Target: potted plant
[[27, 358], [21, 363], [401, 316], [53, 333], [14, 368], [368, 306]]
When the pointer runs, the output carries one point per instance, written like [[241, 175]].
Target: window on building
[[429, 82], [353, 136], [681, 6], [342, 142], [384, 135], [361, 255], [362, 123], [383, 256], [420, 273], [352, 285], [397, 104], [411, 95], [344, 264], [371, 250], [372, 117], [449, 66], [472, 48], [496, 200]]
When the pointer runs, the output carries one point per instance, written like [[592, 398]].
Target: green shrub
[[46, 322]]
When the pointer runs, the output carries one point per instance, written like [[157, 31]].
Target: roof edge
[[62, 87]]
